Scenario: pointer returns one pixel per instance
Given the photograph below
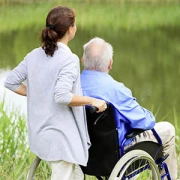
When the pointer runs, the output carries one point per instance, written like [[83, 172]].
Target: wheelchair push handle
[[93, 109]]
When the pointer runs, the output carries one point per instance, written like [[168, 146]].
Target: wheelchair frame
[[121, 160]]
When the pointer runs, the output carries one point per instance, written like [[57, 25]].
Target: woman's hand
[[85, 100], [21, 90], [100, 104]]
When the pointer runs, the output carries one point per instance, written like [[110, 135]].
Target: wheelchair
[[111, 160]]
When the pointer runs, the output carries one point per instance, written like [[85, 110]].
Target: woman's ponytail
[[49, 38], [58, 22]]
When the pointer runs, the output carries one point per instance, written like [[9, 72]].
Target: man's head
[[97, 55]]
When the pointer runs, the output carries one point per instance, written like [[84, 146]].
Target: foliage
[[14, 151], [87, 1], [15, 156], [128, 16]]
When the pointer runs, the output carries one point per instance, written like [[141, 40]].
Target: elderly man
[[96, 82]]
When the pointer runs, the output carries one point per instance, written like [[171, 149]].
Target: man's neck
[[107, 71]]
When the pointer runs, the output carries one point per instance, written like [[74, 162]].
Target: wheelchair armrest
[[134, 133]]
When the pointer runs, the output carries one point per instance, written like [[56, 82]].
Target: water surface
[[147, 62]]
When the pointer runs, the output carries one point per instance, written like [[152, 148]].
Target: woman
[[56, 117]]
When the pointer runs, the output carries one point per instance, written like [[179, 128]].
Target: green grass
[[14, 150], [15, 156], [115, 15]]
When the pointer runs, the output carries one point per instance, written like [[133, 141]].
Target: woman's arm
[[85, 100], [63, 91], [15, 78], [21, 90]]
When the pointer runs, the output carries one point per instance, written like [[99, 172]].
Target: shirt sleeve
[[16, 76], [131, 112], [67, 76]]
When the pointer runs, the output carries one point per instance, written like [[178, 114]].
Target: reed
[[86, 1], [14, 150], [116, 15], [15, 156]]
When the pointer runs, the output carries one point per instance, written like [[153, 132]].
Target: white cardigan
[[56, 131]]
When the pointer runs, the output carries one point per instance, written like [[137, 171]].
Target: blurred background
[[145, 35]]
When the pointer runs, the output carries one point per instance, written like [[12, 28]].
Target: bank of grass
[[15, 156], [14, 151], [112, 14]]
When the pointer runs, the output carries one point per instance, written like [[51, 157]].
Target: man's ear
[[82, 61], [110, 64]]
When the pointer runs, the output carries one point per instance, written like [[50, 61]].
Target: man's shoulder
[[120, 89]]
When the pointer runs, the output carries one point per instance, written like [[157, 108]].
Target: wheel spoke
[[136, 164]]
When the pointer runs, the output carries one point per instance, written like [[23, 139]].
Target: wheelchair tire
[[134, 163], [38, 170]]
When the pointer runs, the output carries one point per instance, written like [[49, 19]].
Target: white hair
[[97, 54]]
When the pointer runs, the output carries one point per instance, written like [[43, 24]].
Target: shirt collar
[[64, 46], [94, 72]]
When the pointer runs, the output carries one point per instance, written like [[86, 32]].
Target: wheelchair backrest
[[104, 151]]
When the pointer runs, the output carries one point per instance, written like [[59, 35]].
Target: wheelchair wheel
[[136, 164], [38, 170]]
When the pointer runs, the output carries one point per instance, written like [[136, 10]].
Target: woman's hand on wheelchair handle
[[98, 105]]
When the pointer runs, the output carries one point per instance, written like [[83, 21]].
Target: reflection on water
[[147, 62]]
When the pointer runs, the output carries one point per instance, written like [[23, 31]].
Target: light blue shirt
[[129, 114]]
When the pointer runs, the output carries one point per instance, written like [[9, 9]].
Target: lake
[[146, 61]]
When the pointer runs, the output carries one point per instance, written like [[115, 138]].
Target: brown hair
[[58, 22]]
